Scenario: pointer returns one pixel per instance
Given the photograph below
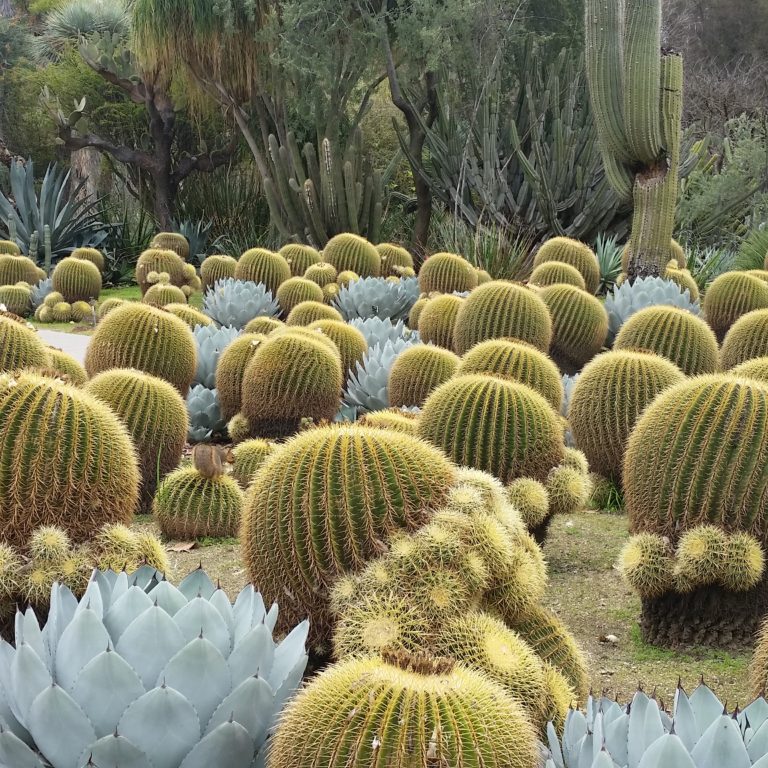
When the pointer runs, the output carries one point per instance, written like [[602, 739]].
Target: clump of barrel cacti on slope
[[692, 476], [202, 500], [146, 338], [447, 273], [94, 481], [147, 673], [575, 254], [349, 488], [156, 417], [77, 279]]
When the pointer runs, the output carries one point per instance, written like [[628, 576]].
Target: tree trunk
[[423, 218], [164, 198], [86, 165]]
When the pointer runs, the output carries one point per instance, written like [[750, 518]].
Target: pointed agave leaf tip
[[672, 729], [701, 679], [725, 707], [640, 687], [200, 636], [679, 683], [735, 714], [232, 716], [653, 693]]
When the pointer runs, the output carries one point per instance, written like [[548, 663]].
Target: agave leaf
[[644, 727], [762, 762], [220, 602], [15, 753], [598, 729], [720, 745], [271, 618], [757, 746], [84, 639], [585, 752], [197, 583], [148, 643], [706, 707], [163, 725], [106, 581], [104, 689], [125, 609], [686, 725], [230, 744], [553, 742], [253, 655], [575, 730], [91, 598], [252, 704], [29, 678], [602, 760], [59, 727], [144, 577], [616, 736], [756, 713], [113, 751], [668, 751], [249, 611], [28, 631], [120, 587], [199, 616], [292, 680], [168, 597], [61, 613], [291, 648], [200, 673]]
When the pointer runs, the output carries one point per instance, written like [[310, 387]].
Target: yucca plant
[[608, 254]]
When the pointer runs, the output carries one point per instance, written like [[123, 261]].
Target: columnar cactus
[[516, 361], [674, 333], [437, 321], [730, 296], [352, 252], [578, 255], [299, 257], [637, 102], [446, 273], [72, 462], [146, 338], [608, 398], [325, 502], [502, 309], [156, 418], [258, 265], [502, 427], [417, 371]]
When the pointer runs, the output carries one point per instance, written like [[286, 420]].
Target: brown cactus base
[[711, 616], [540, 532]]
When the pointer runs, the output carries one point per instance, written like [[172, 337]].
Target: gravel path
[[72, 343]]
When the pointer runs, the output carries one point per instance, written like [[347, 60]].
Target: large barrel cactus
[[609, 396], [403, 711], [77, 279], [156, 418], [141, 673], [578, 255], [502, 309], [156, 261], [299, 257], [730, 296], [674, 333], [516, 361], [172, 241], [446, 273], [146, 338], [326, 502], [349, 341], [215, 268], [17, 269], [258, 265], [296, 290], [554, 272], [94, 255], [502, 427], [20, 346], [308, 312], [417, 371], [437, 321], [230, 371], [348, 252], [67, 460], [746, 339]]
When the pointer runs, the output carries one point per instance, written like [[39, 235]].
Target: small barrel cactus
[[299, 257], [156, 261], [501, 427], [215, 268], [17, 269], [258, 265], [146, 338], [230, 371], [437, 320], [394, 259], [17, 299], [673, 333], [352, 252], [321, 273], [502, 309], [296, 290], [9, 247], [746, 339], [20, 346], [577, 254], [446, 273], [248, 456], [94, 255], [77, 279], [162, 293], [67, 366], [554, 272], [730, 296], [172, 241], [418, 371], [191, 316], [106, 306], [349, 341], [753, 369], [308, 312]]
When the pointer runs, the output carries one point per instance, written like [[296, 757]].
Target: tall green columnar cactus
[[637, 96]]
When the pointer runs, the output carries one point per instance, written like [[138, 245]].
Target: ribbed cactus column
[[636, 91]]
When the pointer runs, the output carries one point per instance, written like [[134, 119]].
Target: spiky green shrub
[[501, 309], [555, 272], [323, 503], [672, 333], [94, 255], [10, 247], [296, 290], [191, 506], [437, 320], [249, 455], [69, 461], [299, 257], [308, 312], [352, 252], [77, 279], [579, 325], [576, 254], [746, 339], [608, 398], [406, 710], [216, 267], [696, 456], [446, 273], [106, 306], [162, 293], [349, 341], [146, 338], [530, 498], [231, 369], [20, 346], [418, 371], [394, 259], [290, 377], [17, 269], [516, 361], [171, 241], [68, 366], [321, 273], [154, 262], [156, 418], [17, 299], [191, 316], [501, 427], [259, 265], [730, 296]]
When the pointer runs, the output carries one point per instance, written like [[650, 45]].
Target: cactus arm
[[352, 198], [314, 204], [276, 210], [47, 245]]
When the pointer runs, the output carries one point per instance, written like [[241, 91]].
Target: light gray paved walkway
[[73, 344]]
